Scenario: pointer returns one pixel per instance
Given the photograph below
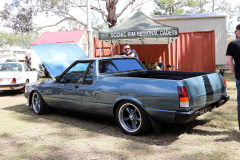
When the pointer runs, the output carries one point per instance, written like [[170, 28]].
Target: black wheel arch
[[30, 97]]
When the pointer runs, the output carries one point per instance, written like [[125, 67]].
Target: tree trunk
[[213, 6], [111, 8]]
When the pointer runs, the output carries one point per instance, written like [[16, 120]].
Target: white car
[[2, 60], [15, 75]]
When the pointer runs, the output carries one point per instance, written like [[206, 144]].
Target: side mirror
[[221, 72], [89, 80]]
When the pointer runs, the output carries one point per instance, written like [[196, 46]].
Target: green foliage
[[22, 40], [21, 21], [169, 7]]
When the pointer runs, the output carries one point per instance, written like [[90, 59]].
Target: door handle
[[76, 86]]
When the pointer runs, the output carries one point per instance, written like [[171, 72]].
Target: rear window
[[119, 65], [10, 67]]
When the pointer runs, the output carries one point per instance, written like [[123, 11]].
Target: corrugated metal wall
[[105, 49], [204, 24], [196, 52]]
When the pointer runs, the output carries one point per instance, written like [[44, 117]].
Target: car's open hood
[[56, 57]]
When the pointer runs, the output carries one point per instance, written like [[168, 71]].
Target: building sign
[[135, 34]]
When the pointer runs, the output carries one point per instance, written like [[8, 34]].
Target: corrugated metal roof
[[59, 37], [189, 16]]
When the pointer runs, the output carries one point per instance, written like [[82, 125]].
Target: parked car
[[15, 75], [2, 60], [123, 89]]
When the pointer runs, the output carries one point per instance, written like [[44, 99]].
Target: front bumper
[[12, 86], [184, 117], [26, 94]]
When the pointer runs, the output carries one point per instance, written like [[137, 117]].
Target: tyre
[[38, 103], [131, 118]]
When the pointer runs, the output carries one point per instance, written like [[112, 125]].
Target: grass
[[24, 135]]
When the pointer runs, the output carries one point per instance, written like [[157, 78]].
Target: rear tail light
[[14, 80], [183, 97], [224, 82], [26, 89]]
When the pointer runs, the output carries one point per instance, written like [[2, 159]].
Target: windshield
[[119, 65], [10, 67]]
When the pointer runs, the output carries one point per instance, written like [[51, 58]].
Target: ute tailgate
[[205, 90]]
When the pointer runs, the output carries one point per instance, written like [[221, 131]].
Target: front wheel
[[38, 103], [131, 118]]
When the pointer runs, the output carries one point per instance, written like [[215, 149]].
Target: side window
[[119, 65], [107, 67], [75, 73], [26, 67], [89, 77]]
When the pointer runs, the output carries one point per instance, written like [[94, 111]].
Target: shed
[[78, 37], [201, 22]]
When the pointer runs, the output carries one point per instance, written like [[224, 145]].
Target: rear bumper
[[184, 117], [12, 86]]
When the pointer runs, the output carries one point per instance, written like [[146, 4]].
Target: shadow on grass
[[169, 133], [11, 93]]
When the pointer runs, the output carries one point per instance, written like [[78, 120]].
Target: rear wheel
[[38, 103], [131, 118]]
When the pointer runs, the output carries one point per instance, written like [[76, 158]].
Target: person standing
[[128, 52], [26, 60], [30, 61], [233, 53]]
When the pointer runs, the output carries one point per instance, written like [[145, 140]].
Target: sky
[[147, 8]]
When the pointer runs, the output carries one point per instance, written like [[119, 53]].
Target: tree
[[20, 13], [73, 25], [222, 6], [170, 7], [196, 6], [13, 39], [237, 10]]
